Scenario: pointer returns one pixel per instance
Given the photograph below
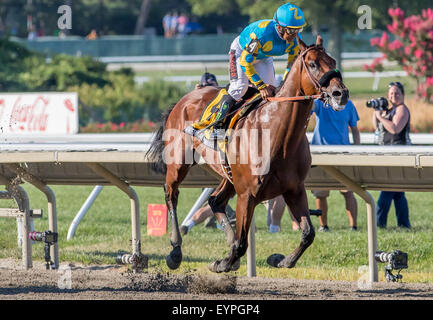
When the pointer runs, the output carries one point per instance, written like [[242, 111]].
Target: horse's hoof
[[213, 266], [287, 262], [174, 259], [218, 267], [172, 264], [236, 265], [275, 259]]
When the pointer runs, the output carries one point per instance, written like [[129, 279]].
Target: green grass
[[336, 255]]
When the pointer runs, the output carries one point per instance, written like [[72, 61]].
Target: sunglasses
[[398, 85]]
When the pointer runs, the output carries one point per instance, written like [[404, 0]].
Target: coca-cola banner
[[39, 113]]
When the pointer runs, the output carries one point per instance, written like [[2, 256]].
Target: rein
[[298, 98], [318, 84]]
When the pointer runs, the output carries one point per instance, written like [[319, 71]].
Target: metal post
[[371, 217], [52, 208], [251, 250], [199, 202], [22, 200], [26, 228], [135, 207], [80, 215], [20, 230]]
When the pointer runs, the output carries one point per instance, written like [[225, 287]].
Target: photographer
[[332, 128], [392, 123]]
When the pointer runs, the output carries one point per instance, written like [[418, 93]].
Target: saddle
[[203, 128]]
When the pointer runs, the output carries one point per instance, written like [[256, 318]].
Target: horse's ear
[[319, 41], [301, 43]]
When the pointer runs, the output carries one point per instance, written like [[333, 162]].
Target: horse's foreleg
[[298, 204], [175, 257], [244, 213]]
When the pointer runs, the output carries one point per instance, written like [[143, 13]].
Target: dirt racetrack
[[116, 283]]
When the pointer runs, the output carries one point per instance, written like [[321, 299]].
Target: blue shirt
[[332, 127]]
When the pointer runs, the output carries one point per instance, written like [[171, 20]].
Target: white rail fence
[[191, 80], [359, 168]]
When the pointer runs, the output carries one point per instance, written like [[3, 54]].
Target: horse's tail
[[156, 148]]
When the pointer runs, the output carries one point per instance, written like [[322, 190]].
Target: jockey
[[251, 57]]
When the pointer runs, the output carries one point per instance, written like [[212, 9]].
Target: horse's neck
[[292, 117]]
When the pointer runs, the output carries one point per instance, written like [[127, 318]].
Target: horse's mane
[[278, 89], [291, 69]]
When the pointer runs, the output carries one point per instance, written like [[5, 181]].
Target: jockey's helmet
[[290, 16]]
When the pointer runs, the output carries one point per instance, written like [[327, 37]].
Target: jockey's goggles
[[292, 31]]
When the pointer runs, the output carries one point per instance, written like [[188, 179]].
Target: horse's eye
[[312, 65]]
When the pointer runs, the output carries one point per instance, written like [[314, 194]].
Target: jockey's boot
[[227, 103]]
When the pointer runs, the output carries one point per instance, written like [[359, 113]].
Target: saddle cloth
[[204, 127]]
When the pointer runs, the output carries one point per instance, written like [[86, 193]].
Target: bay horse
[[286, 158]]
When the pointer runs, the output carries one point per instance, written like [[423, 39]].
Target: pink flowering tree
[[412, 48]]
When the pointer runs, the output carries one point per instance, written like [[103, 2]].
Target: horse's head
[[320, 76]]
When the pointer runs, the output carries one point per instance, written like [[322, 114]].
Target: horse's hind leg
[[244, 214], [218, 202], [298, 204], [175, 175]]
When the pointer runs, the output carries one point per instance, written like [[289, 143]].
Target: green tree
[[338, 16]]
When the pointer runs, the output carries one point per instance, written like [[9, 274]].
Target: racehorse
[[286, 159]]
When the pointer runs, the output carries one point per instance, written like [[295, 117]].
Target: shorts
[[325, 193]]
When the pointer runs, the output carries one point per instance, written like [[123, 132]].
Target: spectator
[[206, 215], [276, 208], [93, 35], [33, 35], [174, 24], [276, 211], [393, 127], [182, 22], [166, 24], [332, 128], [41, 31]]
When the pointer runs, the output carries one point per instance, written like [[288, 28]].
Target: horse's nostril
[[336, 94]]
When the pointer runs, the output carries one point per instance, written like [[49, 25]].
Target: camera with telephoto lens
[[49, 238], [46, 236], [379, 104], [397, 260]]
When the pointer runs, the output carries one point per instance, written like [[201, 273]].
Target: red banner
[[156, 219]]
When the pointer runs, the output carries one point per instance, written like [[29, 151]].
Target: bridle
[[323, 82]]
